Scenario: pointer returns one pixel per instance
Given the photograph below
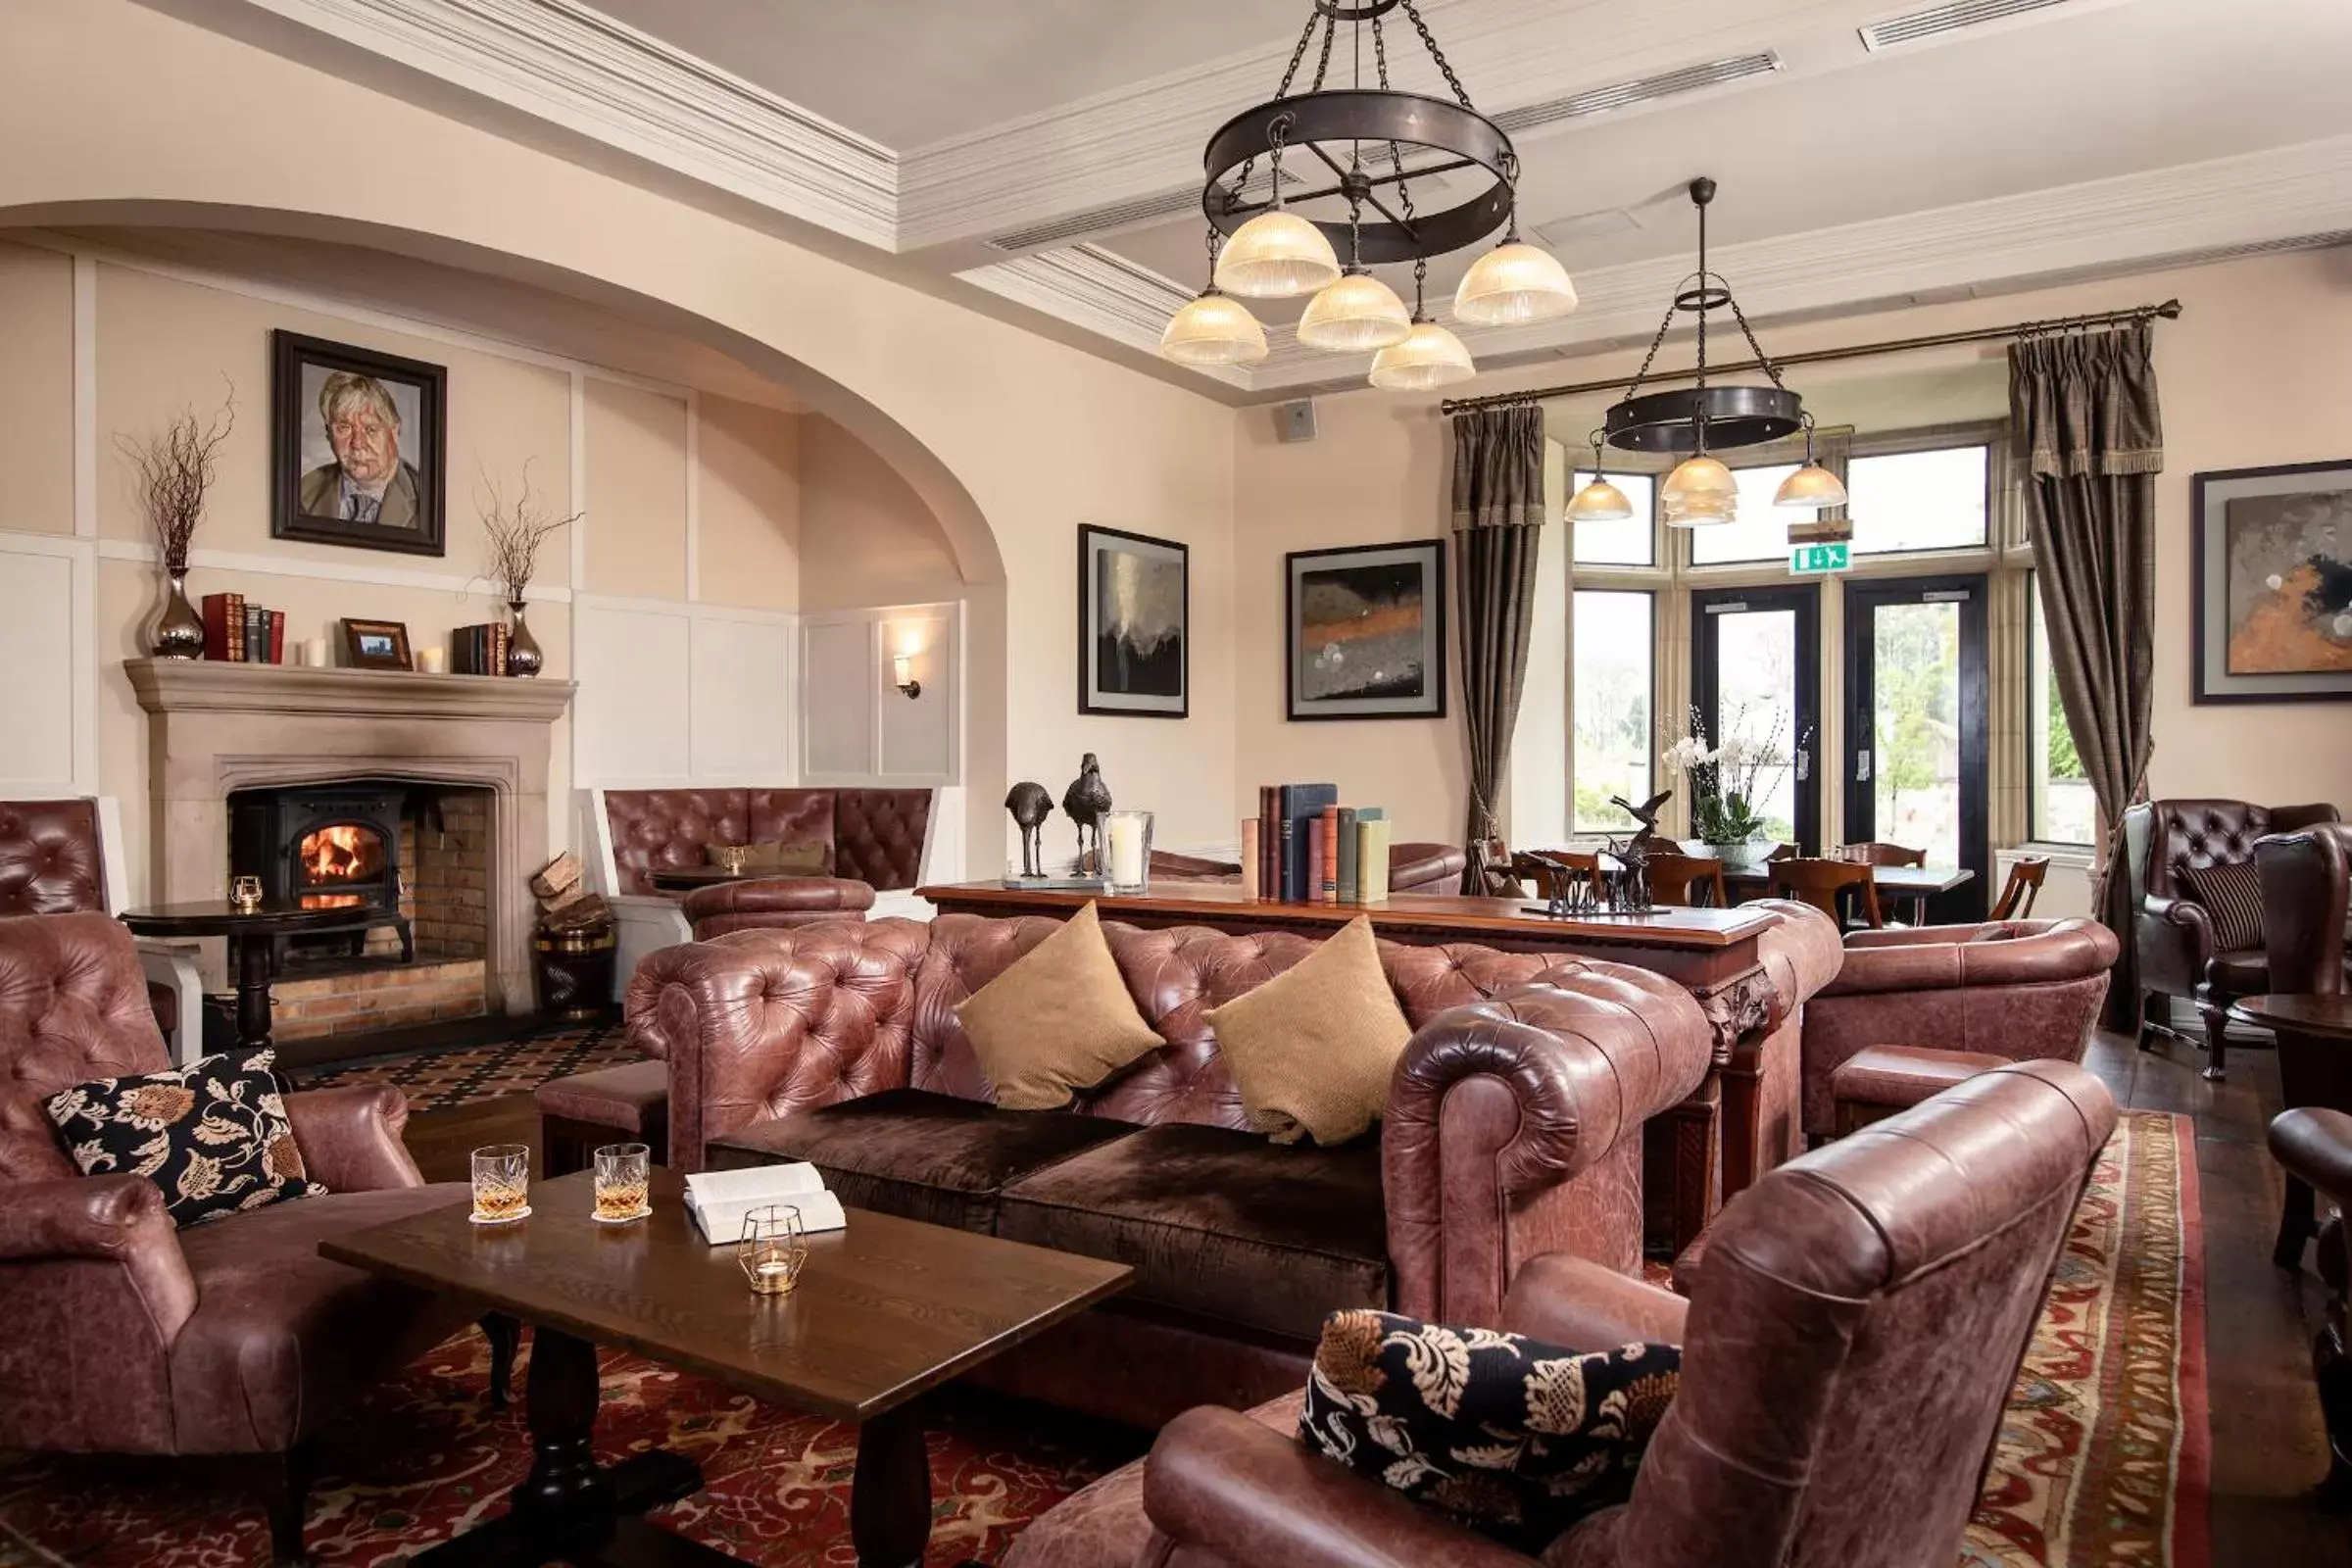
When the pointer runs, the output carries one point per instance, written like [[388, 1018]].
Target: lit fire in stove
[[343, 853]]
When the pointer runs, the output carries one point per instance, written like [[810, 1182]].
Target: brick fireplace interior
[[422, 848]]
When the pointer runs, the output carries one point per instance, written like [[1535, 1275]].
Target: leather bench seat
[[939, 1158], [631, 1098], [1219, 1223]]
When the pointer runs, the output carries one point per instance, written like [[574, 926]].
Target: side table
[[252, 946], [2315, 1069]]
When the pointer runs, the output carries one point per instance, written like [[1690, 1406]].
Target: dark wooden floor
[[2269, 1449]]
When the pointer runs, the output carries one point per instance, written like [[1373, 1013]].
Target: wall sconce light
[[905, 682]]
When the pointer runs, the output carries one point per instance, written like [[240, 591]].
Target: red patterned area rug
[[437, 1080], [2103, 1454], [2101, 1459]]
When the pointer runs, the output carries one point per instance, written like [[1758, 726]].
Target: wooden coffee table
[[886, 1310]]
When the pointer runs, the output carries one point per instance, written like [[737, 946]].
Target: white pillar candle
[[433, 661], [313, 653], [1126, 833]]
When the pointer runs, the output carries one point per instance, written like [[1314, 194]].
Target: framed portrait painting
[[1365, 633], [1133, 636], [356, 447], [2274, 583]]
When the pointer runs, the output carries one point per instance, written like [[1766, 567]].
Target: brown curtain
[[1498, 523], [2084, 422]]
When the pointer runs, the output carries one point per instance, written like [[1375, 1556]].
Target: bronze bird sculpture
[[1086, 800], [1030, 805]]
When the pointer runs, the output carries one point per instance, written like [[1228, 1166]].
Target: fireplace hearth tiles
[[215, 729]]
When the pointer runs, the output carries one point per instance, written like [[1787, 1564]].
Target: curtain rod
[[2169, 310]]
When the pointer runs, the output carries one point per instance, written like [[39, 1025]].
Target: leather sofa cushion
[[1219, 1223], [281, 1338], [49, 858], [1889, 1078], [938, 1158], [628, 1097]]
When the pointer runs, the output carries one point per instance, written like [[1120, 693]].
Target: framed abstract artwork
[[356, 447], [1134, 637], [1365, 631], [2274, 583]]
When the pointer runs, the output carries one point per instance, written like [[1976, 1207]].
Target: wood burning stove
[[324, 846]]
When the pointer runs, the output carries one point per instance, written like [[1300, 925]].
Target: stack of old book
[[1304, 847], [240, 633], [480, 650], [564, 904], [722, 1200]]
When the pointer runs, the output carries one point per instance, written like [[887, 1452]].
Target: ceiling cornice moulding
[[1088, 286], [575, 66]]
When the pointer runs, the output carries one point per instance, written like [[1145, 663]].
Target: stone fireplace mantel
[[216, 727]]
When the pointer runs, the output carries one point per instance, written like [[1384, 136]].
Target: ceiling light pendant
[[1600, 501], [1283, 244], [1428, 357], [1811, 487], [1700, 492], [1513, 285], [1688, 419], [1213, 328]]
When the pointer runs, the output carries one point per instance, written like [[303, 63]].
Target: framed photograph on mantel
[[356, 447], [1366, 631], [2274, 583], [1134, 632]]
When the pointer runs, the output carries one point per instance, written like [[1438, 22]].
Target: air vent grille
[[1936, 21], [1114, 215], [1647, 89]]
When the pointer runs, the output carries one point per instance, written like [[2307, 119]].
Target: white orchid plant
[[1723, 778]]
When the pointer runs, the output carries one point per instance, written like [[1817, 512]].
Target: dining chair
[[2016, 901], [1821, 883], [1553, 871], [1876, 853], [1674, 877]]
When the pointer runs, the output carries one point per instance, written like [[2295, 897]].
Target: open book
[[718, 1199]]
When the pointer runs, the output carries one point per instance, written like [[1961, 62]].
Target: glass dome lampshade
[[1277, 256], [1513, 285], [1356, 314], [1811, 487], [1701, 513], [1700, 481], [1600, 501], [1428, 357], [1214, 330]]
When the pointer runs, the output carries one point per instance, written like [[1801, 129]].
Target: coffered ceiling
[[1046, 153]]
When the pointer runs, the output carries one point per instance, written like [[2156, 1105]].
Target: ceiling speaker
[[1296, 422]]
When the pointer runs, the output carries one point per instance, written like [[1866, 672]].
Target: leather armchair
[[2306, 885], [2021, 989], [2173, 936], [129, 1336], [1847, 1360]]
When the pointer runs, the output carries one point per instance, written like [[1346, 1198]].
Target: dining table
[[1910, 885]]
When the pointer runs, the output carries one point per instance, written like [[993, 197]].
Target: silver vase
[[522, 649], [179, 630]]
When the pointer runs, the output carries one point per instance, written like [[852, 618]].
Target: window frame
[[1650, 481], [1936, 438], [2036, 775], [1650, 595]]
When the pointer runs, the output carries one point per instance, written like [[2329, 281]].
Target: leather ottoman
[[1875, 1083]]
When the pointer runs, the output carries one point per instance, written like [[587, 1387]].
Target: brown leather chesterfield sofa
[[2171, 934], [1513, 1129], [2019, 990], [1847, 1360], [127, 1336]]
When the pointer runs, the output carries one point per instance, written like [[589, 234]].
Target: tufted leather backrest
[[870, 836], [2167, 837], [49, 857], [2306, 882], [72, 1006], [1854, 1331]]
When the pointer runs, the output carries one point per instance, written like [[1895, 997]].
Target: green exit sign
[[1811, 561]]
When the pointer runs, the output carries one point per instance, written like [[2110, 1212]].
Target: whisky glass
[[502, 1183], [245, 892], [623, 1190], [772, 1250]]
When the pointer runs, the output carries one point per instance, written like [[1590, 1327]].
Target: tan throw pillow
[[1311, 1050], [1058, 1020]]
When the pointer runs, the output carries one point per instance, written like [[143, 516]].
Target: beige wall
[[36, 390], [747, 504], [2257, 370], [867, 538], [637, 477]]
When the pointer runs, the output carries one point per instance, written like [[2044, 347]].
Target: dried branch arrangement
[[175, 469], [517, 530]]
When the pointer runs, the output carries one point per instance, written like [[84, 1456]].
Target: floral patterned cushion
[[213, 1134], [1516, 1438]]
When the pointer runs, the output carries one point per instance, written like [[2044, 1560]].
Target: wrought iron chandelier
[[1373, 142], [1704, 418]]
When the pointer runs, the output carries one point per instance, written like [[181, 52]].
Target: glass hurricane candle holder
[[624, 1187], [245, 892], [502, 1183], [772, 1250], [1127, 850]]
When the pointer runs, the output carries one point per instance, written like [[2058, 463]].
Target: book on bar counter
[[720, 1200], [1304, 847], [1301, 803]]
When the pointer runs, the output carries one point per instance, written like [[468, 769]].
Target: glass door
[[1755, 671], [1916, 728]]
